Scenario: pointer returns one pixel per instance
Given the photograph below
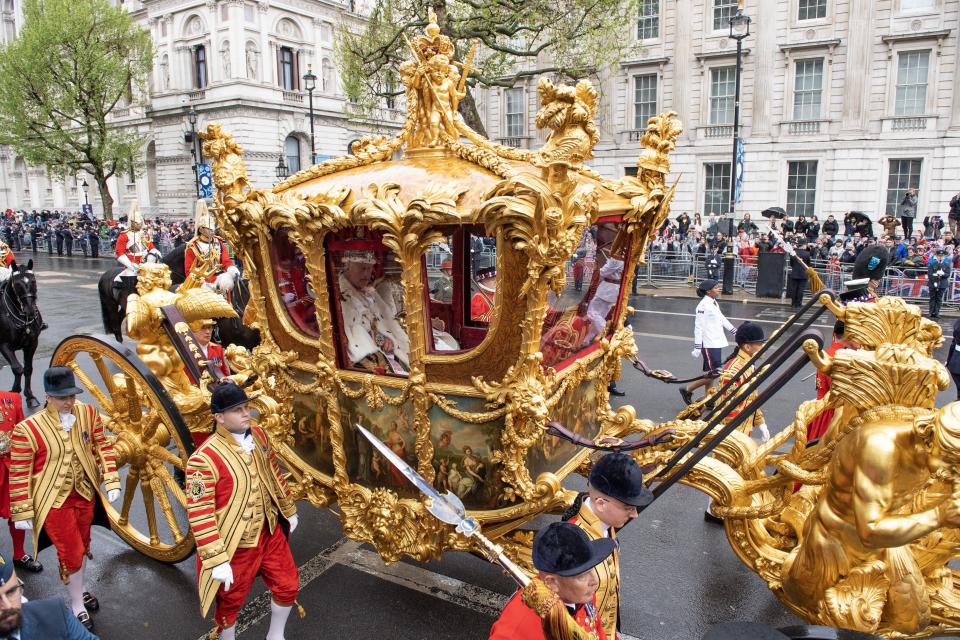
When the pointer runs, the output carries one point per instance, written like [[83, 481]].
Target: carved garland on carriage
[[541, 208]]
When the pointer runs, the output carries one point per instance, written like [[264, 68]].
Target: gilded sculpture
[[833, 547]]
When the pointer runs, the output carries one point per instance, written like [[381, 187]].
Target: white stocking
[[230, 633], [75, 589], [278, 620]]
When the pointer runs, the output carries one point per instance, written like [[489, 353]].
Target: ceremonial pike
[[448, 508]]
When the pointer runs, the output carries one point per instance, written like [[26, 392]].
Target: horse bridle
[[23, 315]]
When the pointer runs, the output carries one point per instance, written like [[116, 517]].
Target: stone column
[[762, 52], [37, 191], [857, 74], [59, 191], [683, 64], [238, 43]]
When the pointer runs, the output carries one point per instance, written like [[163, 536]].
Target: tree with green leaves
[[568, 39], [73, 63]]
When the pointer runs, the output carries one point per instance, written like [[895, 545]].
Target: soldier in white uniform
[[606, 296], [376, 339], [708, 337]]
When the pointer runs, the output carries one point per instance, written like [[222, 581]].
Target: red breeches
[[272, 561], [69, 530]]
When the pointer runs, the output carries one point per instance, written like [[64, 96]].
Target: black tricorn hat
[[60, 383], [227, 395], [565, 549], [618, 475], [871, 263], [750, 332]]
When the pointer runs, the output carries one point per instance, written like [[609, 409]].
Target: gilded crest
[[4, 442], [196, 488]]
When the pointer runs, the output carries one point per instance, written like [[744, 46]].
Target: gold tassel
[[214, 633], [816, 284], [558, 624], [300, 610]]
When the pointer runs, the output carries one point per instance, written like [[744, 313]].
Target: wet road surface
[[679, 573]]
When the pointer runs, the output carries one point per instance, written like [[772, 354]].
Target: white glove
[[696, 352], [127, 262], [112, 495], [232, 270], [23, 525], [225, 281], [224, 574], [764, 432], [294, 520]]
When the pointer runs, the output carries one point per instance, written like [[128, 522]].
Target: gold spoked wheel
[[151, 440]]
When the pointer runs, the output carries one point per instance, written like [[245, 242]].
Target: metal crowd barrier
[[676, 269]]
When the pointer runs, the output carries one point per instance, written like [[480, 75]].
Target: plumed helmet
[[135, 217], [202, 217]]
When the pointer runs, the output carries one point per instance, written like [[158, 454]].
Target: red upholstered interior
[[290, 276]]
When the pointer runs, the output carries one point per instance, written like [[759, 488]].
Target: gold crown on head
[[433, 43]]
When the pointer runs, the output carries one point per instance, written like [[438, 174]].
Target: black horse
[[20, 326], [228, 331]]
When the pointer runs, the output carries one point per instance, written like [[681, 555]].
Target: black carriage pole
[[739, 29]]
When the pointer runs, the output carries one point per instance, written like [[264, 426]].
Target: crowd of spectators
[[833, 240], [67, 232]]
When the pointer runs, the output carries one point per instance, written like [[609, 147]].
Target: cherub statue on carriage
[[465, 303]]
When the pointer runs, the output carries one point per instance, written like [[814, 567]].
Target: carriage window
[[368, 297], [483, 278], [293, 286], [443, 327], [583, 313]]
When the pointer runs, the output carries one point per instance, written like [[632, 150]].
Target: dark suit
[[798, 277], [938, 277], [953, 357], [51, 620]]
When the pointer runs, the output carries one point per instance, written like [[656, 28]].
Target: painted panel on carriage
[[311, 433], [583, 313], [461, 455], [577, 410]]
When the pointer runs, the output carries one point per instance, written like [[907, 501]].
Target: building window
[[722, 85], [723, 10], [644, 99], [904, 173], [291, 149], [808, 89], [716, 192], [288, 69], [912, 72], [199, 66], [648, 26], [801, 188], [812, 9], [516, 114]]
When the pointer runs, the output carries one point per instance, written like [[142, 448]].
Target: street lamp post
[[739, 29], [310, 83], [282, 171], [85, 186], [192, 119]]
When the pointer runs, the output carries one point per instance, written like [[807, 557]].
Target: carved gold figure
[[856, 531]]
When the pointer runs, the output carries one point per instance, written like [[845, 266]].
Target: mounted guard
[[134, 247], [210, 249]]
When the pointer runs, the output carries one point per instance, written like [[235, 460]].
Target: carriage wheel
[[151, 440]]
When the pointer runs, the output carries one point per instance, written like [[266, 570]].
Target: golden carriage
[[454, 296]]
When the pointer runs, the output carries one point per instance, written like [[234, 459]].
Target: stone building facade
[[844, 103], [237, 62]]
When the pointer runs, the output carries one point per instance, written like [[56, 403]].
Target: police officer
[[938, 277], [615, 495], [565, 558]]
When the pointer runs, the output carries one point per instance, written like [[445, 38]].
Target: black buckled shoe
[[28, 564], [85, 620], [91, 603], [686, 395]]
